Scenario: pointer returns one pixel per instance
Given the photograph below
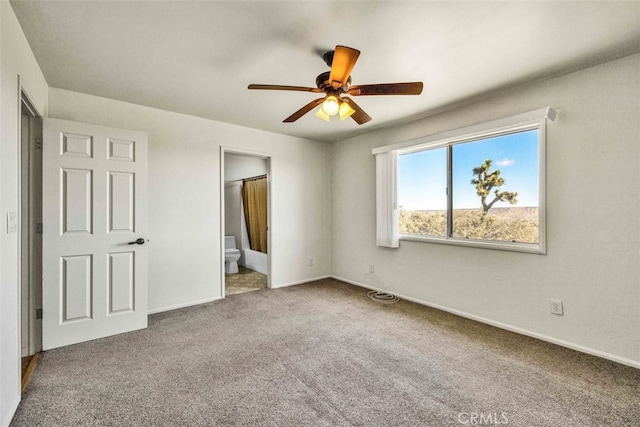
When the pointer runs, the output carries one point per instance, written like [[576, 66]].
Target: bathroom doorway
[[245, 216], [30, 234]]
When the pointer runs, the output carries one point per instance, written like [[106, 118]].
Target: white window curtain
[[387, 220]]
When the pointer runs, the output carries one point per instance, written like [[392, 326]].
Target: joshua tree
[[491, 182]]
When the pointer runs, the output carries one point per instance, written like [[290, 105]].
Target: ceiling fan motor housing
[[322, 83], [328, 58]]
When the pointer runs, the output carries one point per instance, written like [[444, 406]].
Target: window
[[478, 186]]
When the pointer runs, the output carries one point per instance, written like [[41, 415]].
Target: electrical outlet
[[310, 262], [372, 268], [555, 305]]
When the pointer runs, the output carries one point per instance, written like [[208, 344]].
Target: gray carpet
[[323, 354]]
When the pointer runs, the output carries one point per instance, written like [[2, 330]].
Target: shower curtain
[[254, 198]]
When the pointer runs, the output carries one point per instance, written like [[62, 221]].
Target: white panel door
[[94, 232]]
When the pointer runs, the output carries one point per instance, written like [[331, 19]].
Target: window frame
[[532, 120]]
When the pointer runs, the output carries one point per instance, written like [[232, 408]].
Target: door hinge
[[38, 143], [39, 228], [38, 313]]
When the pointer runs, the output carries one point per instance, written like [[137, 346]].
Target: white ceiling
[[197, 58]]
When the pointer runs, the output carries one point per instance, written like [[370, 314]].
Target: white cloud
[[505, 162]]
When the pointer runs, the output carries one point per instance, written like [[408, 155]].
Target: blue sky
[[422, 177]]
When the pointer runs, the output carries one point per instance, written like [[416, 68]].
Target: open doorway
[[245, 216], [30, 237]]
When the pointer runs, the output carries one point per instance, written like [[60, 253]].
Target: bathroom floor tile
[[244, 281]]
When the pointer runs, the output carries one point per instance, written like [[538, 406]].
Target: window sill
[[501, 246]]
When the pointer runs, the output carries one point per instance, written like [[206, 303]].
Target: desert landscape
[[510, 224]]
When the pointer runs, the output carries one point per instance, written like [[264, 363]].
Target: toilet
[[231, 255]]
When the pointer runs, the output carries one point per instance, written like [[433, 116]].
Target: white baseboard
[[300, 282], [177, 306], [204, 301], [563, 343]]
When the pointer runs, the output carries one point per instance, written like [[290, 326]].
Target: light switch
[[12, 222]]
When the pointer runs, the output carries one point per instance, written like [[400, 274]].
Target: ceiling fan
[[337, 83]]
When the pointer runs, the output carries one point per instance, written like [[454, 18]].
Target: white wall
[[237, 167], [184, 196], [593, 219], [16, 59], [232, 215]]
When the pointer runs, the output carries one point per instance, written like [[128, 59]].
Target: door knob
[[139, 241]]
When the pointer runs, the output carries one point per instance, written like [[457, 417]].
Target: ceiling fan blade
[[411, 88], [304, 110], [359, 116], [280, 87], [344, 59]]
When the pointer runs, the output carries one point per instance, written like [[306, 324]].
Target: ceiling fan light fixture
[[345, 110], [330, 106], [322, 115]]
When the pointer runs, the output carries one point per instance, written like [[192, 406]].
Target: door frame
[[257, 155], [33, 258]]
